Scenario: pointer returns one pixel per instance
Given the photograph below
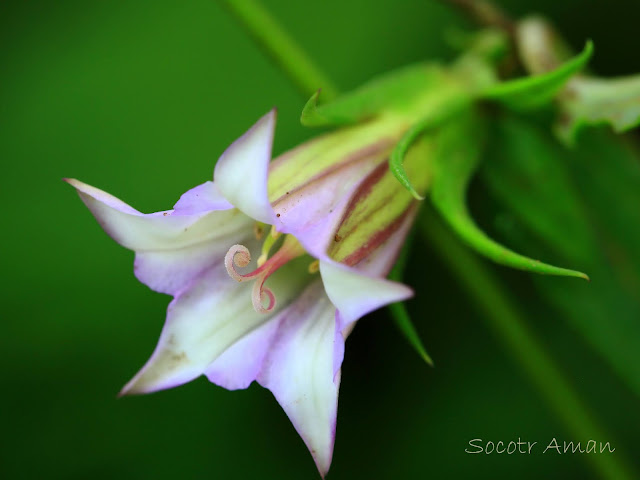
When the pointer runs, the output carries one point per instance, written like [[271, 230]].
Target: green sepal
[[399, 311], [393, 90], [532, 92], [599, 101], [455, 161], [396, 158], [403, 321], [445, 110]]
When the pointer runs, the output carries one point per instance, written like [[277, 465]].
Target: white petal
[[241, 171], [355, 294], [314, 211], [160, 230], [205, 320], [241, 363], [171, 271], [299, 370], [203, 198]]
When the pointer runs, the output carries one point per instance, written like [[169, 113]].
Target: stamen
[[314, 267], [258, 230]]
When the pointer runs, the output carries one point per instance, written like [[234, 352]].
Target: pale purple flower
[[287, 334]]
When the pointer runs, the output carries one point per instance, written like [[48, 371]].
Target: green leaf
[[393, 90], [403, 322], [460, 146], [399, 311], [396, 159], [598, 101], [532, 92], [579, 204], [527, 170]]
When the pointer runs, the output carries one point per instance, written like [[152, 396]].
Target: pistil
[[239, 256]]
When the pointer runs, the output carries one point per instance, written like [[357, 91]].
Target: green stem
[[283, 50], [510, 326], [501, 315]]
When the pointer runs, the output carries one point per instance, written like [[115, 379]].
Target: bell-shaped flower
[[270, 265]]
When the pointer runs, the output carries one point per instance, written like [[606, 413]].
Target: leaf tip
[[309, 111], [427, 359]]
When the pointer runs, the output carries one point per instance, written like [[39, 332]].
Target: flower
[[316, 209]]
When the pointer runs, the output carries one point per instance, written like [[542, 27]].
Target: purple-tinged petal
[[171, 271], [299, 370], [208, 317], [313, 212], [203, 198], [160, 230], [355, 294], [241, 363], [241, 171]]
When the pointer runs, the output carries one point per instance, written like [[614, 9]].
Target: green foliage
[[533, 92], [399, 311], [460, 148], [382, 93], [443, 112], [581, 206]]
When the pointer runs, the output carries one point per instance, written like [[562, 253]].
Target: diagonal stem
[[485, 14], [509, 325], [282, 49]]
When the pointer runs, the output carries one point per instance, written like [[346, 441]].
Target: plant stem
[[510, 326], [282, 49], [485, 14]]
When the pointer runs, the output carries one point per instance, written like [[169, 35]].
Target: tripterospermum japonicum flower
[[270, 265]]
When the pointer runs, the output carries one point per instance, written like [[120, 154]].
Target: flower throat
[[239, 256]]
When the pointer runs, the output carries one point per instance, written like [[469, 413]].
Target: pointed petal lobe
[[355, 294], [161, 230], [241, 171], [240, 364], [210, 316], [299, 371]]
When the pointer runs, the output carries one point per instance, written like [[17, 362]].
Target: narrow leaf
[[438, 115], [456, 160], [582, 205], [399, 311], [532, 92], [405, 325]]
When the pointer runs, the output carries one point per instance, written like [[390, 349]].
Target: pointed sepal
[[386, 92], [535, 91], [399, 311], [458, 155]]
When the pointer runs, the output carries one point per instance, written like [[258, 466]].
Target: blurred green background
[[139, 98]]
